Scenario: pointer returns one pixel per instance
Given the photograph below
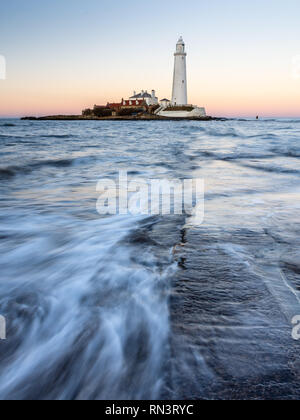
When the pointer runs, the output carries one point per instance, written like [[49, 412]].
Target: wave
[[238, 156], [7, 125], [292, 153], [268, 136], [12, 137], [272, 169], [58, 136], [11, 171], [98, 328], [286, 153], [36, 137], [235, 134], [189, 129], [297, 121], [275, 153], [216, 133], [209, 130]]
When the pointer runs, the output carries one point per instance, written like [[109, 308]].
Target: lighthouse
[[179, 96], [178, 107]]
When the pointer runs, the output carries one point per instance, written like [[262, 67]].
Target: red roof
[[127, 102], [132, 102], [114, 105]]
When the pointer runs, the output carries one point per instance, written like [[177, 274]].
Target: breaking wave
[[96, 324], [12, 171]]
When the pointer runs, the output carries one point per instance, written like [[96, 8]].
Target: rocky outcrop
[[143, 117]]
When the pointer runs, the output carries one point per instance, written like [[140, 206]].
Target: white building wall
[[165, 104], [196, 112], [151, 101]]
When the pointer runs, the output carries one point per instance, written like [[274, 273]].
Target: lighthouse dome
[[180, 46]]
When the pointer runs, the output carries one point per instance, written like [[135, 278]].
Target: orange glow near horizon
[[65, 98], [68, 57], [225, 91]]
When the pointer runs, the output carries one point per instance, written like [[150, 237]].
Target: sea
[[137, 306]]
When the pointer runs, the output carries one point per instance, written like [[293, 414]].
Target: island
[[144, 106], [144, 117]]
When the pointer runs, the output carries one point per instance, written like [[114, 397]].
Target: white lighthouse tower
[[179, 96], [179, 107]]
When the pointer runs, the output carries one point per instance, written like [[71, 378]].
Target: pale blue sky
[[67, 53]]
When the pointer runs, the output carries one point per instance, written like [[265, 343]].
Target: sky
[[66, 55]]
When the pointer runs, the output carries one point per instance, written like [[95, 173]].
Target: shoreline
[[119, 118]]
